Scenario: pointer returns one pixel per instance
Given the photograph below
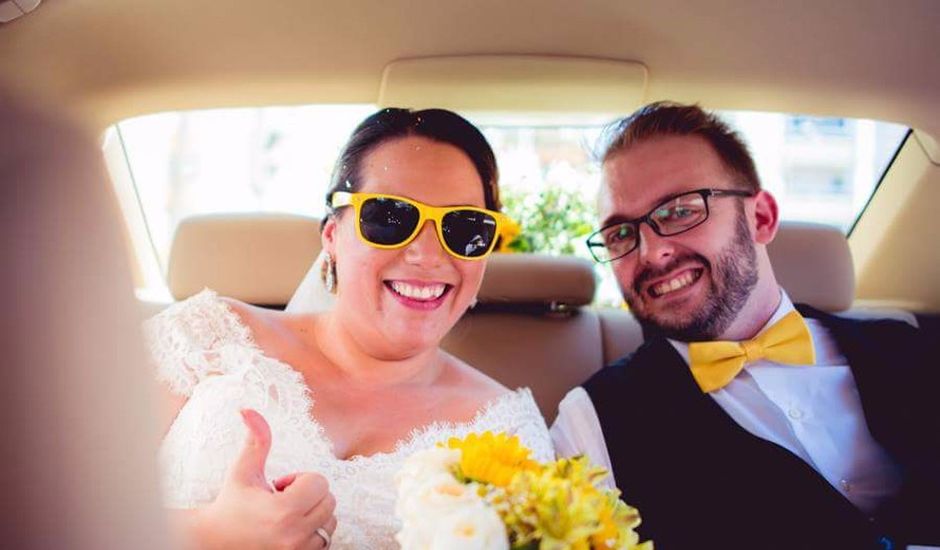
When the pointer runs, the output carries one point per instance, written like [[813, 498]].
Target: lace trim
[[516, 405]]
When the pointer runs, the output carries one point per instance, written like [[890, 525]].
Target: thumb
[[249, 467]]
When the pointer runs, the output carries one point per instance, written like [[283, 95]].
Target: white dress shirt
[[813, 411]]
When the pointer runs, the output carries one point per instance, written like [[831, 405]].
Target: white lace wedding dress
[[202, 350]]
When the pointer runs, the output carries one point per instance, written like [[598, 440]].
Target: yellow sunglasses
[[389, 221]]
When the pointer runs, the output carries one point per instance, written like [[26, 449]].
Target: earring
[[329, 274], [473, 302]]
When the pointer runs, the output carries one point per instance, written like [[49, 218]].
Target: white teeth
[[428, 292], [674, 284]]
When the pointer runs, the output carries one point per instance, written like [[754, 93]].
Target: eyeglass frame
[[705, 193], [426, 213]]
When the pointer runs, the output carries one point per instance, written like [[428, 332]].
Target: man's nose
[[425, 249], [654, 249]]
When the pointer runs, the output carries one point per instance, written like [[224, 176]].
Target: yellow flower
[[607, 533], [553, 506], [560, 507], [491, 459], [508, 234]]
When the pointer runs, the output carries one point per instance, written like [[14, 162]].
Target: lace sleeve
[[185, 340]]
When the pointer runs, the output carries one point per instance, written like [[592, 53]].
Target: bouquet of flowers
[[485, 492]]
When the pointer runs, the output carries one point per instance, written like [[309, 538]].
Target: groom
[[745, 421]]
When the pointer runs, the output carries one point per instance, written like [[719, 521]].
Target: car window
[[169, 166]]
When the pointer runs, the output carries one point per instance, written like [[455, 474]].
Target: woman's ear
[[766, 217], [328, 235]]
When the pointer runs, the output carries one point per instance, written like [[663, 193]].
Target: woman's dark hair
[[435, 124]]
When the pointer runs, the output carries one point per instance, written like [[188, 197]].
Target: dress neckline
[[313, 428]]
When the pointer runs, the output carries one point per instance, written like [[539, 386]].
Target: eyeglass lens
[[387, 221], [468, 232]]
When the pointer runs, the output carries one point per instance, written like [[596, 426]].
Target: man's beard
[[733, 277]]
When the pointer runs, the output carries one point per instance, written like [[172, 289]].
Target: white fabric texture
[[577, 430], [204, 351]]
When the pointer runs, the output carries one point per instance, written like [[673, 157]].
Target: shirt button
[[795, 413], [846, 485]]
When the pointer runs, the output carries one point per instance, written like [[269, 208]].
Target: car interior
[[538, 323]]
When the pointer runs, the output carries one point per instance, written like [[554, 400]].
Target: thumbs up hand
[[248, 469], [251, 513]]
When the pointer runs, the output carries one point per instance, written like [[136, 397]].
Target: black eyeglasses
[[676, 215]]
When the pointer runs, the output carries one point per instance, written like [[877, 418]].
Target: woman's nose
[[426, 248]]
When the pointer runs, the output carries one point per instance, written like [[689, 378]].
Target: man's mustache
[[650, 273]]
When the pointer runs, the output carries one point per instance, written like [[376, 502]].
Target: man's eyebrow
[[615, 219]]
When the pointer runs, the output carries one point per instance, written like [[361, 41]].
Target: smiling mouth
[[674, 284], [419, 293]]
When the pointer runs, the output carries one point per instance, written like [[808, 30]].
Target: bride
[[288, 427]]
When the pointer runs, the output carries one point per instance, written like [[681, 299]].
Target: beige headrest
[[511, 279], [257, 258], [261, 258], [813, 263], [538, 279]]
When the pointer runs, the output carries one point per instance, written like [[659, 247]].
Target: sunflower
[[491, 459]]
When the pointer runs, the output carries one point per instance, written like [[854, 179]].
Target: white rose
[[432, 466], [423, 465], [437, 511], [435, 496], [475, 527]]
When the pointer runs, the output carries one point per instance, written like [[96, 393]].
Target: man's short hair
[[666, 118]]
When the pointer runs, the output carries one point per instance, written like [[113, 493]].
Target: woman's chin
[[400, 348], [409, 331]]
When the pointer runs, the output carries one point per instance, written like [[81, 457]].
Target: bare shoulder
[[270, 329], [247, 313]]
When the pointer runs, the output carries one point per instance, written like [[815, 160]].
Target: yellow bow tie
[[715, 364]]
